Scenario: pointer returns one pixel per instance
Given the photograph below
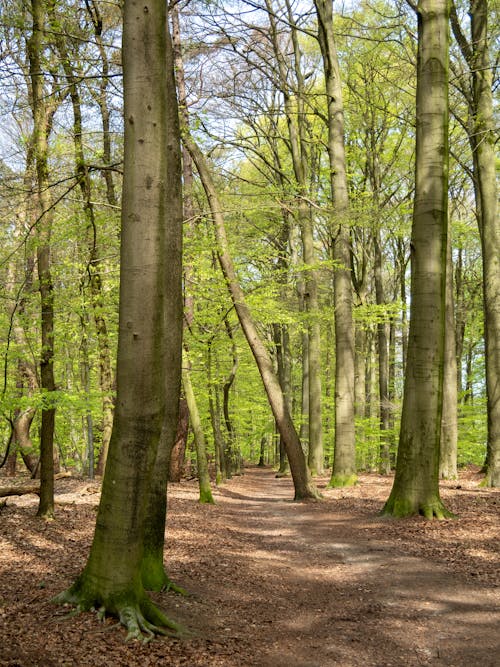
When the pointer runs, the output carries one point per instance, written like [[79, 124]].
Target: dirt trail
[[327, 590], [273, 583]]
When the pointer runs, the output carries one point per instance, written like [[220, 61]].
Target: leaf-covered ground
[[272, 583]]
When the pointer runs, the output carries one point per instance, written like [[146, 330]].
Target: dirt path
[[327, 590], [273, 583]]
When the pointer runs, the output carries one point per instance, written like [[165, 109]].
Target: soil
[[272, 582]]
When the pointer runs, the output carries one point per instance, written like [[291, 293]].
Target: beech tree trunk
[[449, 420], [42, 121], [344, 459], [150, 325], [416, 484], [176, 467], [199, 436]]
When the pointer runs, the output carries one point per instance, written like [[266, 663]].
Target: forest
[[250, 250]]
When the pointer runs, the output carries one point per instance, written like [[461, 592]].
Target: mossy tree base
[[339, 481], [400, 507], [135, 611], [206, 496], [154, 577]]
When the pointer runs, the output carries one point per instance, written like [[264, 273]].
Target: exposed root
[[141, 618], [170, 586]]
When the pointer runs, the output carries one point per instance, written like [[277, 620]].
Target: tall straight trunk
[[416, 483], [42, 119], [402, 263], [482, 142], [154, 575], [344, 460], [460, 319], [293, 102], [150, 326], [449, 421], [199, 437], [304, 486], [232, 451], [189, 225], [383, 364], [176, 467], [221, 465], [94, 262], [280, 335]]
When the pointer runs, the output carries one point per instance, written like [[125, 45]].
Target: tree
[[416, 483], [43, 113], [344, 461], [482, 138], [149, 348], [304, 486]]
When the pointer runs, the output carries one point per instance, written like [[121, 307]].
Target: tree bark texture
[[416, 484], [344, 460], [42, 121], [150, 325]]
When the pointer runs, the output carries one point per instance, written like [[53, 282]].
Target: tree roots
[[140, 617]]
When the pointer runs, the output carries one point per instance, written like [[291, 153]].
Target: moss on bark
[[338, 481]]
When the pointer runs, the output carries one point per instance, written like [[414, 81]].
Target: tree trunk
[[449, 421], [176, 467], [42, 119], [150, 324], [483, 144], [416, 484], [383, 365], [94, 261], [304, 486], [344, 460], [199, 437]]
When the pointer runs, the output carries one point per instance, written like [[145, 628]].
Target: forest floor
[[272, 582]]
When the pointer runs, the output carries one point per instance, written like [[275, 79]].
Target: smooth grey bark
[[199, 437], [150, 283], [482, 141], [293, 102], [153, 573], [43, 112], [449, 420], [344, 460], [416, 483]]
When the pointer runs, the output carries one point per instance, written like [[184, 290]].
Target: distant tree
[[479, 96], [344, 459], [43, 109]]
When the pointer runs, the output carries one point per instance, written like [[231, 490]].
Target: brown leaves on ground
[[272, 582]]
